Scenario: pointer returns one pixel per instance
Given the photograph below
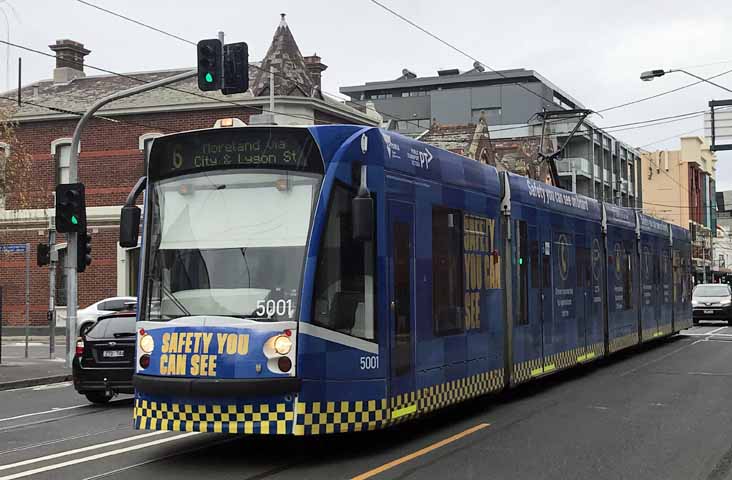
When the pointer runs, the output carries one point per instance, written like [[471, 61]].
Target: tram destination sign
[[247, 147]]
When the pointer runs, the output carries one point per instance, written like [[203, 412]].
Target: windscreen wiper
[[174, 299]]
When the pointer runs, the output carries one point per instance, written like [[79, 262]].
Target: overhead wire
[[168, 87], [277, 74], [462, 52], [435, 134], [71, 112]]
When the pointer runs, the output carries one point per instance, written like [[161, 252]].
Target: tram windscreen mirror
[[129, 226], [363, 218]]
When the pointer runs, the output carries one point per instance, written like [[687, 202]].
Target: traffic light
[[43, 254], [83, 252], [210, 68], [70, 208], [236, 68]]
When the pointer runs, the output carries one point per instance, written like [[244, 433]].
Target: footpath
[[16, 371]]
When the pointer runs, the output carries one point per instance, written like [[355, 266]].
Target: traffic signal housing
[[43, 254], [83, 252], [70, 208], [236, 68], [210, 65]]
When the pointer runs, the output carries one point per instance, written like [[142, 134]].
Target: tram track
[[84, 411], [64, 439]]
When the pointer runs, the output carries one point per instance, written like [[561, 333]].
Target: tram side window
[[523, 272], [447, 271], [628, 279], [344, 295]]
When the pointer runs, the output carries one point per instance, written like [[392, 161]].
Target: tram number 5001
[[369, 363], [270, 308]]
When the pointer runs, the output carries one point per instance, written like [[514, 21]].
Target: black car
[[105, 358]]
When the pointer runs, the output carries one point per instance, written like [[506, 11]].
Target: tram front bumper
[[214, 387]]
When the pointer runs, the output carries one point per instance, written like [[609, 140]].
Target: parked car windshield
[[711, 291], [113, 327]]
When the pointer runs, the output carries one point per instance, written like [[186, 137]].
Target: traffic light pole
[[73, 237]]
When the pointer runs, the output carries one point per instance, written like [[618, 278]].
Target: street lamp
[[649, 75]]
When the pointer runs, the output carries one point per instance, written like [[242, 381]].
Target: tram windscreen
[[228, 243]]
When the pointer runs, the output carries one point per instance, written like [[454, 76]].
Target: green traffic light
[[74, 220], [209, 77]]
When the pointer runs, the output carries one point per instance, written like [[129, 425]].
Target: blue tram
[[310, 280]]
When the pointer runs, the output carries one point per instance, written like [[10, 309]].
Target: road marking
[[708, 334], [32, 387], [704, 334], [79, 450], [52, 386], [231, 438], [53, 410], [658, 359], [418, 453], [90, 458]]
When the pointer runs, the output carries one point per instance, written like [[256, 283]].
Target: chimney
[[315, 69], [69, 60]]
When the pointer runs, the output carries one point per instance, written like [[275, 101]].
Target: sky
[[595, 51]]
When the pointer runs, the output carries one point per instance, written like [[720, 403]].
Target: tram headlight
[[147, 344], [282, 345]]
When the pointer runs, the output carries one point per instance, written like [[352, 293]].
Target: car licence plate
[[113, 353], [709, 312]]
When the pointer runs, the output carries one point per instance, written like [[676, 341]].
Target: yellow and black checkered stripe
[[249, 418], [619, 343], [524, 371], [534, 368], [311, 418], [314, 418]]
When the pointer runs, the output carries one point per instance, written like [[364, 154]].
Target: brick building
[[113, 151]]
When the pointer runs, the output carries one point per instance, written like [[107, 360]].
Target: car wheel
[[98, 397], [84, 329], [695, 322]]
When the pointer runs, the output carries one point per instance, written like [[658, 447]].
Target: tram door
[[584, 293], [401, 297], [546, 299]]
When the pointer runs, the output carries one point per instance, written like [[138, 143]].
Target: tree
[[16, 169]]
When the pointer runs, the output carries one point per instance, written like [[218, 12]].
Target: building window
[[447, 271], [344, 282], [61, 151], [145, 144]]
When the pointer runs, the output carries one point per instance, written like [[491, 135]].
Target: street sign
[[718, 125], [13, 248]]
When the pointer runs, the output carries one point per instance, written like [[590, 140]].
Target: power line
[[71, 112], [136, 21], [457, 49], [672, 137], [180, 90], [633, 102], [178, 37]]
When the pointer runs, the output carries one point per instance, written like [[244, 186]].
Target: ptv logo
[[425, 158], [420, 158]]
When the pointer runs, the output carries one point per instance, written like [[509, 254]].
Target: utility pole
[[73, 238], [704, 258], [52, 289]]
